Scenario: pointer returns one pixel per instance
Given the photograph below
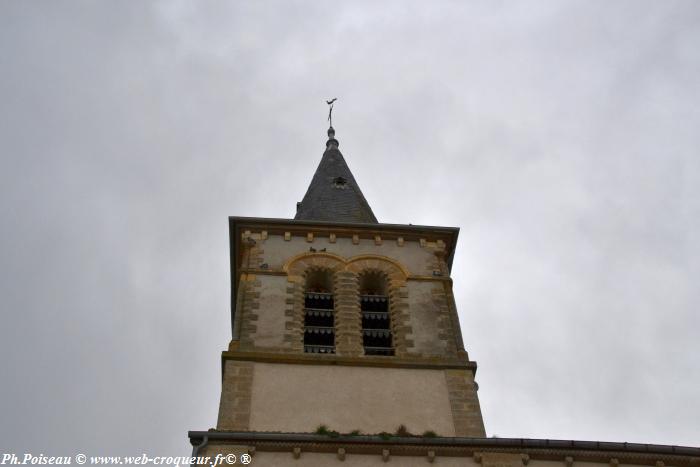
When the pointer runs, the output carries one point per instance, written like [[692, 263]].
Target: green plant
[[323, 430], [429, 434], [403, 431], [354, 433], [384, 435]]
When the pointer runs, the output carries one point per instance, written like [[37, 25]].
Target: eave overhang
[[539, 449]]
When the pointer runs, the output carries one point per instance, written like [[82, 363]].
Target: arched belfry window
[[319, 319], [376, 321]]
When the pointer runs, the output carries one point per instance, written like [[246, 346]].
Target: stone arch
[[394, 275], [394, 271], [373, 281], [301, 270], [346, 273], [297, 266]]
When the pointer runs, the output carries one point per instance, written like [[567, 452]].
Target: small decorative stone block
[[341, 454], [500, 459], [614, 462], [440, 244], [331, 238], [355, 239], [263, 235], [287, 236], [423, 243], [431, 456], [399, 241], [385, 455], [660, 464], [569, 461], [377, 240], [526, 459], [309, 237], [296, 452]]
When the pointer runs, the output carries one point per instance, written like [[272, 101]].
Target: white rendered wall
[[294, 398]]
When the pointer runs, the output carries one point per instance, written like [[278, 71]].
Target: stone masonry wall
[[464, 402], [236, 394], [270, 310]]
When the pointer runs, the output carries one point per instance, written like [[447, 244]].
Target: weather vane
[[330, 111]]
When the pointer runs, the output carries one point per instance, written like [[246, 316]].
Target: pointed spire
[[333, 194]]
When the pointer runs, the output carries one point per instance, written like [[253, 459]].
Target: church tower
[[342, 323]]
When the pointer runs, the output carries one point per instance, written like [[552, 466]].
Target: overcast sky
[[561, 137]]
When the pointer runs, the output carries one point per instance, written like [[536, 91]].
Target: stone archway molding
[[297, 265]]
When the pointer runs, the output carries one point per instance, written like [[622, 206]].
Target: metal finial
[[330, 111]]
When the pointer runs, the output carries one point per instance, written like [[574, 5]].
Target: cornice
[[292, 225], [428, 363]]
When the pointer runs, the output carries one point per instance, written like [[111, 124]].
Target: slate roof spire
[[333, 194]]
